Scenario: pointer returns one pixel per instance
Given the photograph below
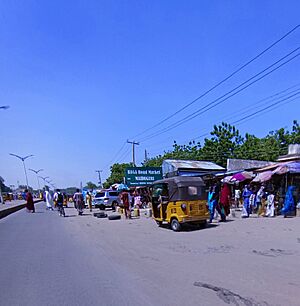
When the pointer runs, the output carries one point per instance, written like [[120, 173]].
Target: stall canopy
[[263, 177], [242, 176], [293, 167]]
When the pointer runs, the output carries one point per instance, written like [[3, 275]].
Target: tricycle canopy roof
[[183, 188]]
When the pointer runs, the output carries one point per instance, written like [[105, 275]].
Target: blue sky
[[82, 77]]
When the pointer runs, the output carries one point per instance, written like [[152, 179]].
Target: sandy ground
[[248, 262], [252, 261]]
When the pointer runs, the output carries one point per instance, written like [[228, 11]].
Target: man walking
[[78, 201], [59, 199], [48, 199]]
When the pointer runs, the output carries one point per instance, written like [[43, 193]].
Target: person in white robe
[[49, 201], [270, 212]]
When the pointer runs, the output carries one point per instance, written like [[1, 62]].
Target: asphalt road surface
[[83, 260]]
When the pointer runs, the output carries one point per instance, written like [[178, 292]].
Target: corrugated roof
[[193, 164], [245, 164]]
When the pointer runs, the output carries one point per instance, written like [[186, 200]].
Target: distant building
[[293, 154]]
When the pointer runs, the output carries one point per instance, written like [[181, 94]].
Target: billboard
[[142, 176]]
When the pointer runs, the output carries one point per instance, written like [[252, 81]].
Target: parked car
[[106, 198]]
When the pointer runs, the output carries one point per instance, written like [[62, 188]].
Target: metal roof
[[192, 164], [234, 165]]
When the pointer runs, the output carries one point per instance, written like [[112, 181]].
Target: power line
[[242, 111], [263, 110], [221, 82], [220, 100]]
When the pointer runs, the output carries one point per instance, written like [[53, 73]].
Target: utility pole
[[133, 151], [99, 176], [146, 155]]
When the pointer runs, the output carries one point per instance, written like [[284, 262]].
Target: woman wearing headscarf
[[225, 201], [212, 203], [29, 202], [246, 199], [289, 202]]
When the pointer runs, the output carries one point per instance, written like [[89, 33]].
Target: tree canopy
[[225, 142], [117, 172], [90, 186]]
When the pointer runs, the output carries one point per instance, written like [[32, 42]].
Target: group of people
[[260, 201], [219, 199], [59, 198]]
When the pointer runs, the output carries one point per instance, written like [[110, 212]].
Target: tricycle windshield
[[160, 190]]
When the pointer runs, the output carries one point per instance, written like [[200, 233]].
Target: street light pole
[[4, 107], [99, 175], [44, 179], [23, 160], [37, 172]]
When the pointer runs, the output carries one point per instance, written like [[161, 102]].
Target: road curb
[[5, 212]]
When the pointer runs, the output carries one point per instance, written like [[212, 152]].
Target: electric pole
[[133, 151], [99, 176], [146, 155]]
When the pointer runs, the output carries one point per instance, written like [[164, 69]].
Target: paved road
[[49, 260]]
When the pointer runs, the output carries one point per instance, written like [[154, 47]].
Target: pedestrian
[[246, 202], [252, 202], [125, 200], [270, 205], [137, 199], [212, 203], [237, 197], [59, 199], [54, 199], [225, 201], [29, 202], [88, 199], [259, 196], [289, 207], [79, 201], [48, 199]]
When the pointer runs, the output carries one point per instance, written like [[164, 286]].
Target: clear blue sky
[[82, 77]]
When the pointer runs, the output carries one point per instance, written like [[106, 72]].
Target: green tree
[[3, 187], [117, 172], [225, 140], [90, 185]]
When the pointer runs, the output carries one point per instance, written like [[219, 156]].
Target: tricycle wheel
[[159, 223], [175, 225]]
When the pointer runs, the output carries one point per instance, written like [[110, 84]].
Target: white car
[[107, 198]]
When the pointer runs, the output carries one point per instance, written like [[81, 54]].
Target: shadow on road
[[190, 228]]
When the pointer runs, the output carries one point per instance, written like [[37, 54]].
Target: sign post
[[142, 176]]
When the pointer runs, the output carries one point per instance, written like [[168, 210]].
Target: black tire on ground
[[102, 207], [114, 217], [102, 216], [159, 223], [175, 225]]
